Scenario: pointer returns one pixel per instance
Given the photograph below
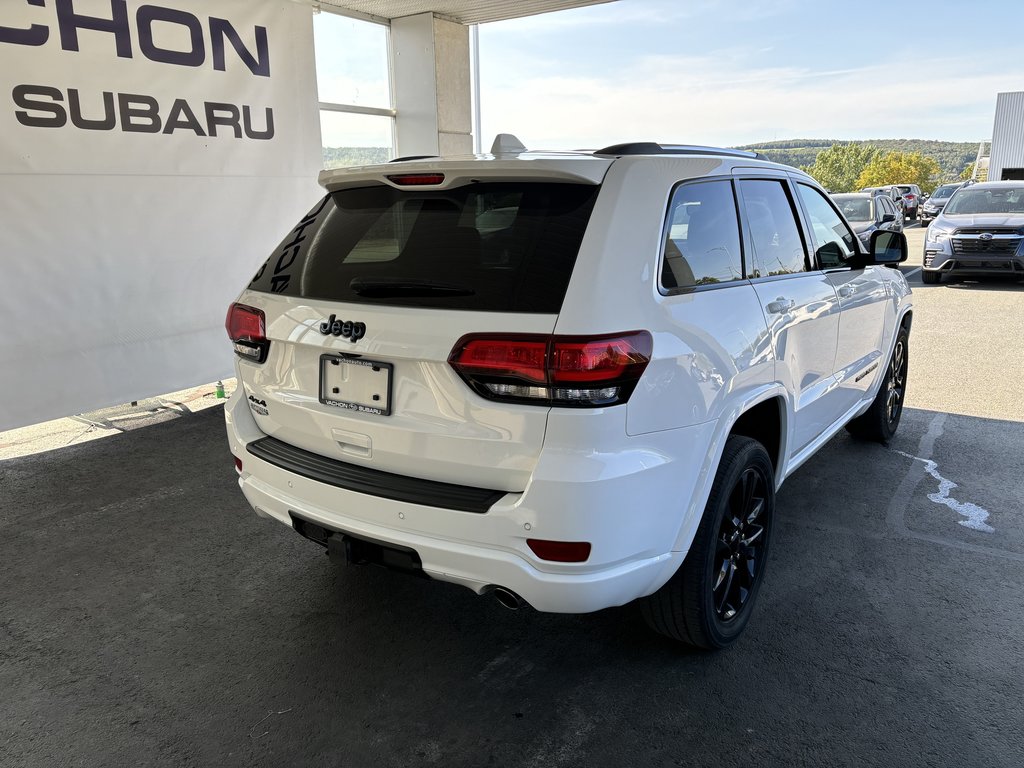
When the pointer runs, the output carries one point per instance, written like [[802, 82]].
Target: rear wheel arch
[[765, 422]]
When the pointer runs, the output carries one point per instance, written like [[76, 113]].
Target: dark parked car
[[867, 211], [979, 232], [933, 206]]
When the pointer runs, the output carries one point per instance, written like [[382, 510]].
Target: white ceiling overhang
[[461, 11]]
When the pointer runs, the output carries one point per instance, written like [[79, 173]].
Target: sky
[[711, 72], [732, 73]]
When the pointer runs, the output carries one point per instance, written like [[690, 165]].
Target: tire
[[930, 277], [730, 548], [880, 422]]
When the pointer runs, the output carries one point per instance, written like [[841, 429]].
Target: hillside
[[952, 156], [339, 157]]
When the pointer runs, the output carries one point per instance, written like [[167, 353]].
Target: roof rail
[[653, 148], [411, 157]]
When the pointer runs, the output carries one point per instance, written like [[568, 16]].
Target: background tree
[[952, 156], [967, 173], [901, 168], [838, 168]]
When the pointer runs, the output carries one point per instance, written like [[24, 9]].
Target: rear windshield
[[506, 247]]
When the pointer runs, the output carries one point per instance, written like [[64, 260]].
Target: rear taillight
[[247, 329], [909, 197], [572, 371]]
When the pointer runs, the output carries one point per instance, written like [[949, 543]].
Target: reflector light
[[560, 551], [238, 465], [416, 179], [593, 371]]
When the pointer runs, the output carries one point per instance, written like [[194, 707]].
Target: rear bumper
[[629, 503]]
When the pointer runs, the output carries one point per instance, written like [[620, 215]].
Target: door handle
[[845, 291], [780, 305]]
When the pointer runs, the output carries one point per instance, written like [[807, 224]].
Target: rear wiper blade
[[383, 287]]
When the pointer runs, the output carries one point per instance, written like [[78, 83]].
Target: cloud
[[726, 99], [660, 12]]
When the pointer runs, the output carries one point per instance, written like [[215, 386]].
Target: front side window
[[834, 243], [702, 241], [774, 234]]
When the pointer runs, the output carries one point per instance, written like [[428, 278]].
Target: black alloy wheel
[[881, 420], [896, 383], [709, 600], [740, 549]]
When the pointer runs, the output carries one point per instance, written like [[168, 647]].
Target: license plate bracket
[[356, 384]]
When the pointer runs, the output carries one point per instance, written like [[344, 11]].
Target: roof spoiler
[[653, 148]]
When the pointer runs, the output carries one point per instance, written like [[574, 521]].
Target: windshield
[[943, 192], [974, 200], [855, 208]]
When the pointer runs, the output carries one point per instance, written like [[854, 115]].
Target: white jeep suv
[[568, 379]]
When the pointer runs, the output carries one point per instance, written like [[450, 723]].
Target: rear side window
[[702, 241], [504, 247]]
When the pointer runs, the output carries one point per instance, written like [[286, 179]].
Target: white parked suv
[[566, 379]]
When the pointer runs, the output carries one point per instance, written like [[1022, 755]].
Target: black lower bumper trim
[[373, 482]]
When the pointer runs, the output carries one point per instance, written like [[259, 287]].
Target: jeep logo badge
[[346, 329]]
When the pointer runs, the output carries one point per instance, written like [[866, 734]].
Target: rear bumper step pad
[[373, 482]]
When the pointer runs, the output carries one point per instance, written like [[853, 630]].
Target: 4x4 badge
[[346, 329]]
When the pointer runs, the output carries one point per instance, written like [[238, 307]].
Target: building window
[[357, 115]]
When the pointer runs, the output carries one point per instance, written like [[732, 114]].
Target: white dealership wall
[[121, 250], [1007, 135]]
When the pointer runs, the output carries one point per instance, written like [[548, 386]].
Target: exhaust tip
[[508, 598]]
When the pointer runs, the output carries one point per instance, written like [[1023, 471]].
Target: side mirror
[[887, 247], [887, 217]]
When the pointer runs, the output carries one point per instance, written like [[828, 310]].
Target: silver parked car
[[980, 232]]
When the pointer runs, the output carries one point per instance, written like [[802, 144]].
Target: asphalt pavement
[[148, 617]]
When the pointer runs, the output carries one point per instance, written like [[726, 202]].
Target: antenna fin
[[507, 144]]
